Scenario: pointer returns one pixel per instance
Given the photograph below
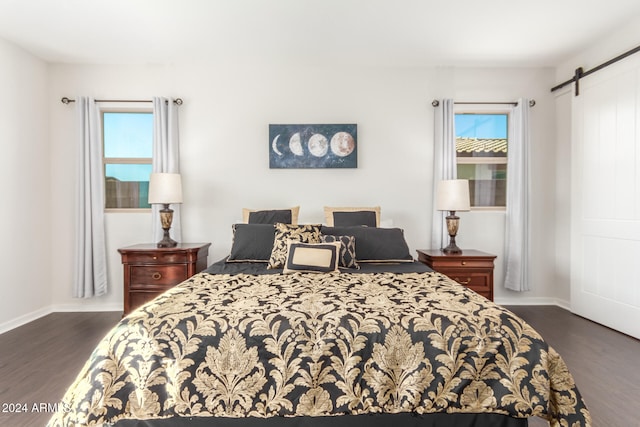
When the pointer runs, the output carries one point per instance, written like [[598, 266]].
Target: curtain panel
[[166, 159], [90, 265], [517, 227], [444, 165]]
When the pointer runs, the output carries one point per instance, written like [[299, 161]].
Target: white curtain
[[90, 275], [166, 158], [517, 233], [444, 165]]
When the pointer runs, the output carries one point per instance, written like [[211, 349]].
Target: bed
[[253, 342]]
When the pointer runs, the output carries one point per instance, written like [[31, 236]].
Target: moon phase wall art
[[313, 146]]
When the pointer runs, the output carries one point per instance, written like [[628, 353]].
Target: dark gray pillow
[[375, 244], [270, 216], [252, 242], [345, 219]]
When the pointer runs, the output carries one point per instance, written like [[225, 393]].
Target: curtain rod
[[532, 102], [580, 73], [65, 100]]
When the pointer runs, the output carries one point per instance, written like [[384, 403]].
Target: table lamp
[[165, 189], [452, 196]]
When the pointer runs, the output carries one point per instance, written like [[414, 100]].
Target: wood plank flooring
[[38, 361], [603, 362]]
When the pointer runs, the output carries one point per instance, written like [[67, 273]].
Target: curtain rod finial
[[65, 100], [435, 103]]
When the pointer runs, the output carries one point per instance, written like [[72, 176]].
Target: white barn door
[[605, 235]]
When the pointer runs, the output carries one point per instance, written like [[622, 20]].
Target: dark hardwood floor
[[38, 361], [604, 363]]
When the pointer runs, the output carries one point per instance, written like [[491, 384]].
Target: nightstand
[[471, 268], [149, 271]]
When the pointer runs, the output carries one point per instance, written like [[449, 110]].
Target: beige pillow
[[329, 213], [312, 257]]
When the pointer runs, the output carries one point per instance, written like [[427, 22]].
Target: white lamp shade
[[453, 195], [165, 188]]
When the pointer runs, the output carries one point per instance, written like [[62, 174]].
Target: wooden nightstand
[[471, 268], [149, 270]]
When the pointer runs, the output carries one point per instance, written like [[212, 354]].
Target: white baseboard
[[62, 308], [81, 308], [534, 301], [24, 319]]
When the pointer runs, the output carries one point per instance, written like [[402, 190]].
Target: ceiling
[[341, 32]]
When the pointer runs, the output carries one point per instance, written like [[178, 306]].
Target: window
[[481, 156], [128, 148]]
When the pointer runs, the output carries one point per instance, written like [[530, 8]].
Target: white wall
[[485, 230], [224, 152], [616, 43], [562, 257], [25, 250]]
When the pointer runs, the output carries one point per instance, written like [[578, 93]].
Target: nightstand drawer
[[469, 279], [166, 275], [463, 263], [136, 299], [157, 257], [488, 295]]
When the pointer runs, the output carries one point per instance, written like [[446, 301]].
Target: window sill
[[488, 209], [127, 210]]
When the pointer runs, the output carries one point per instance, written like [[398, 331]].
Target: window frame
[[501, 109], [128, 107]]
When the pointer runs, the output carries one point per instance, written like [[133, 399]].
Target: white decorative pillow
[[312, 257]]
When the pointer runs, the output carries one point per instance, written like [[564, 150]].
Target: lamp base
[[453, 222], [167, 242], [452, 248], [166, 218]]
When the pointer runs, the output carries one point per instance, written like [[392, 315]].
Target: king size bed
[[298, 327]]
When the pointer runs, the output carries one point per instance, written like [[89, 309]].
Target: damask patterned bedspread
[[321, 344]]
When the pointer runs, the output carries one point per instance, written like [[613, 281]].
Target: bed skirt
[[379, 420]]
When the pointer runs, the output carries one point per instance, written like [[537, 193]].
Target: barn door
[[605, 258]]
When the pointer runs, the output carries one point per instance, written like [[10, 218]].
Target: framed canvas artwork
[[313, 146]]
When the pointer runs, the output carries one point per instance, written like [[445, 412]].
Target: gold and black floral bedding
[[321, 344]]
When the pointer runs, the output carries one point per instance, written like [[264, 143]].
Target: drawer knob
[[155, 257], [463, 262], [156, 276]]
